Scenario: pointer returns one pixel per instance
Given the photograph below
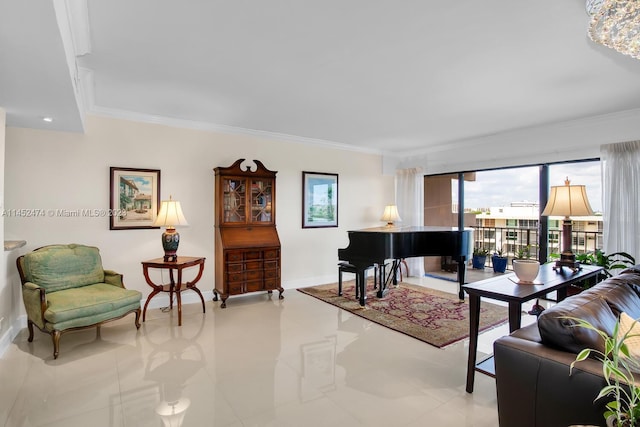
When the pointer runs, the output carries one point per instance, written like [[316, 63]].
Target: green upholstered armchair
[[64, 288]]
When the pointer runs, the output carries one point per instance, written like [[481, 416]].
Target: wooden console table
[[174, 286], [503, 288]]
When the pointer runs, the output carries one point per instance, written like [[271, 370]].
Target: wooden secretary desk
[[247, 245]]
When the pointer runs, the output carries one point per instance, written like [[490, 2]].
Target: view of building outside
[[506, 207]]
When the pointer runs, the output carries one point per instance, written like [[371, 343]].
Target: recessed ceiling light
[[48, 119]]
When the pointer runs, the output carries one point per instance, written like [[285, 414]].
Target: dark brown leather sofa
[[532, 364]]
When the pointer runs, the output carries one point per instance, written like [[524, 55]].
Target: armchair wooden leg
[[55, 335], [138, 318], [30, 326]]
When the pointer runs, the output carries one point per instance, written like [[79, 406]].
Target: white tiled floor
[[258, 362]]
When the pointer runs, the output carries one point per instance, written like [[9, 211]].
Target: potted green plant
[[479, 258], [613, 261], [525, 268], [523, 252], [623, 410], [609, 263], [499, 262]]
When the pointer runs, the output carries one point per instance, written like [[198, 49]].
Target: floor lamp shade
[[567, 201], [170, 216]]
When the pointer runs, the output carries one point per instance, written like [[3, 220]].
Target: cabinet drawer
[[252, 255], [233, 268], [235, 277], [235, 288], [270, 274], [271, 283], [253, 265], [254, 286], [270, 265], [234, 256], [271, 253], [254, 274]]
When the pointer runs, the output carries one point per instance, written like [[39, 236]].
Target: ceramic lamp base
[[170, 242]]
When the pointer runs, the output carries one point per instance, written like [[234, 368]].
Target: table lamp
[[567, 200], [170, 216], [391, 215]]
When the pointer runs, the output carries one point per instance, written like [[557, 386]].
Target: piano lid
[[410, 229]]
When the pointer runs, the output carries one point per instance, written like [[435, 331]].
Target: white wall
[[6, 291], [56, 170]]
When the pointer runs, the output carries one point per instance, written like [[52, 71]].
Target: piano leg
[[393, 273], [361, 284], [384, 280], [461, 276]]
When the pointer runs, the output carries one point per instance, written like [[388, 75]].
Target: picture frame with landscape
[[134, 198], [319, 199]]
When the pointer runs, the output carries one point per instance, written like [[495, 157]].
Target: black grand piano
[[376, 245]]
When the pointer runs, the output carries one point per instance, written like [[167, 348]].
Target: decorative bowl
[[526, 270]]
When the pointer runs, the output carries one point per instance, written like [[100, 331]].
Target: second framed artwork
[[134, 198], [319, 199]]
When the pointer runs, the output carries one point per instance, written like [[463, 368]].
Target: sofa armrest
[[113, 278], [534, 387], [35, 302]]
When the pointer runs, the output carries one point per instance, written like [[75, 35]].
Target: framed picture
[[319, 199], [134, 198]]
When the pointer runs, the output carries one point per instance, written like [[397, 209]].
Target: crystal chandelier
[[616, 24]]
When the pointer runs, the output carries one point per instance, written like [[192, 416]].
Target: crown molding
[[214, 127], [609, 121], [87, 86]]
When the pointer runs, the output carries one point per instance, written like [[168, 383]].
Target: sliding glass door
[[504, 205]]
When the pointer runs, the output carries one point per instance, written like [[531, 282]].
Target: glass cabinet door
[[234, 196], [261, 195]]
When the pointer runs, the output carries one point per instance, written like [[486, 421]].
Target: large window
[[506, 207]]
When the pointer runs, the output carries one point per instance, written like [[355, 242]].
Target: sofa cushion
[[621, 293], [59, 267], [600, 305], [629, 331], [556, 330], [632, 277], [87, 301]]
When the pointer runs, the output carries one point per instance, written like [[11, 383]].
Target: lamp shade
[[568, 200], [170, 215], [391, 214]]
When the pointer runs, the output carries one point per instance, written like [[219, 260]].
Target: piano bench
[[345, 267]]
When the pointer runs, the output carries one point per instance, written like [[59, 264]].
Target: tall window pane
[[505, 202]]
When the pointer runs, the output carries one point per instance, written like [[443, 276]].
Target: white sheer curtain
[[410, 202], [621, 197]]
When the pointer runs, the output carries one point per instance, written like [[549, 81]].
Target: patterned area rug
[[435, 317]]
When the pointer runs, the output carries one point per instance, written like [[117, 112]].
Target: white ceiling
[[375, 74]]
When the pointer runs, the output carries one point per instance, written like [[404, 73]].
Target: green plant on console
[[613, 261], [617, 369], [524, 253]]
